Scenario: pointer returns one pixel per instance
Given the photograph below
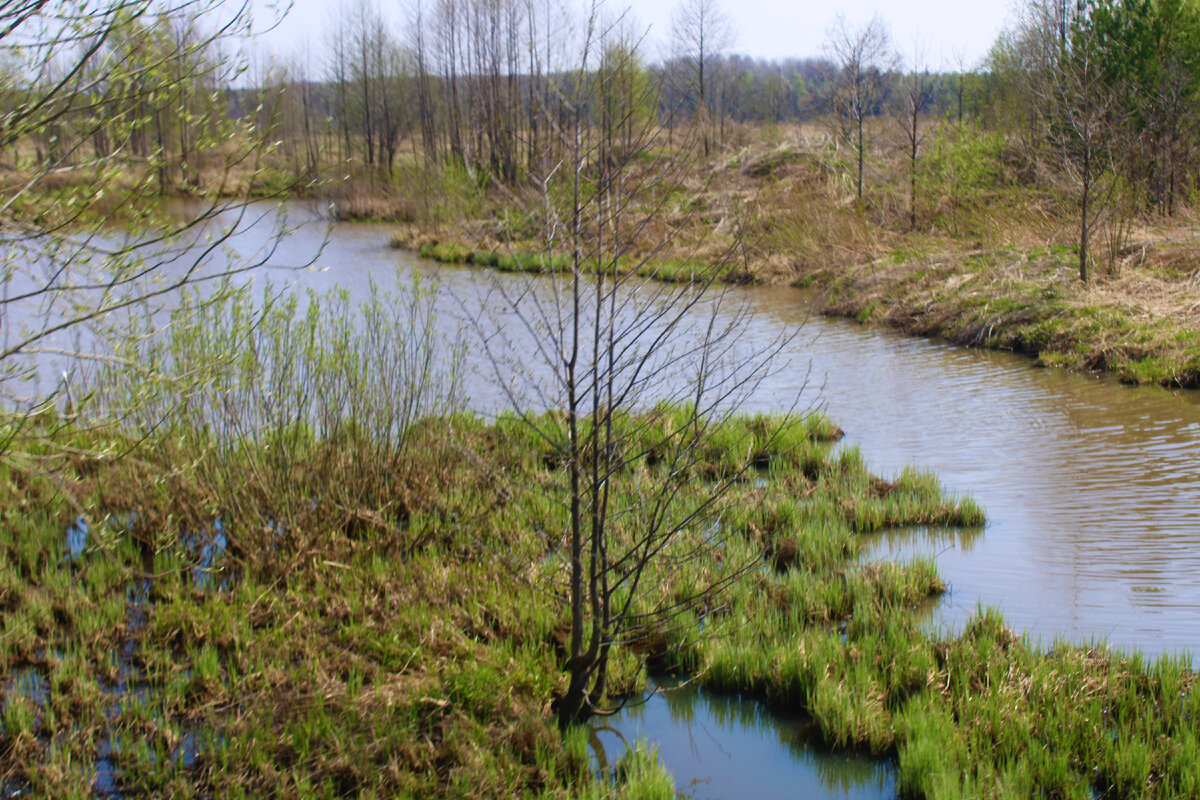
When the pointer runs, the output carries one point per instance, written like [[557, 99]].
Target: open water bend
[[1091, 488]]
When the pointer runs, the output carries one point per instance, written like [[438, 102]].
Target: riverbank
[[1140, 323], [412, 644], [991, 262]]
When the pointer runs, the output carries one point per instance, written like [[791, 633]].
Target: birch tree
[[861, 56]]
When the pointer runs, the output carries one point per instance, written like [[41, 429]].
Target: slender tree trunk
[[912, 183], [859, 149], [1085, 199], [573, 701]]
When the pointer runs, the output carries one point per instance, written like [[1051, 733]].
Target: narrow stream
[[1092, 489]]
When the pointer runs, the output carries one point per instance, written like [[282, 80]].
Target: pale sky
[[766, 28]]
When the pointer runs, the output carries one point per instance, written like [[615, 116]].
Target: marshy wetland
[[360, 624], [1091, 487]]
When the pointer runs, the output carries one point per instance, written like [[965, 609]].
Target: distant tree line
[[481, 83], [127, 81], [1101, 94]]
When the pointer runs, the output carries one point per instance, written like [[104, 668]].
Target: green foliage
[[335, 639], [448, 253], [965, 161], [962, 171], [642, 777], [326, 653]]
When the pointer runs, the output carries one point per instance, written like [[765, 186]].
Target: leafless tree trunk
[[701, 30], [619, 346], [339, 69], [862, 56], [960, 82], [917, 89], [1076, 110]]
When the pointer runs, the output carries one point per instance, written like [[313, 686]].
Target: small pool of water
[[723, 747]]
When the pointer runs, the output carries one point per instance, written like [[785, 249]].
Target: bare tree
[[299, 116], [961, 71], [1075, 107], [701, 30], [338, 73], [916, 93], [636, 374], [862, 57]]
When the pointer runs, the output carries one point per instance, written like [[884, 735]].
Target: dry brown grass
[[369, 197]]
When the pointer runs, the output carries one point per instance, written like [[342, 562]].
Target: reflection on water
[[724, 747], [902, 544], [1092, 489], [77, 536]]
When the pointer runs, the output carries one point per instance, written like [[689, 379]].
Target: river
[[1091, 488]]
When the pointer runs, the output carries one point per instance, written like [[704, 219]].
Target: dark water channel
[[721, 746], [1092, 492]]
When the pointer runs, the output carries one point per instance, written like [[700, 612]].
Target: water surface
[[722, 747], [1091, 488]]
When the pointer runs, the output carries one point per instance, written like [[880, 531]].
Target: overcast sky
[[767, 28]]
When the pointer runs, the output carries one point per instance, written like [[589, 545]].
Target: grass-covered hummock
[[408, 647], [504, 260]]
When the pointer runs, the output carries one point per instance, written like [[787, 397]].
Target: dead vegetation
[[989, 264]]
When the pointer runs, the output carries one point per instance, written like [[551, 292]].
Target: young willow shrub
[[281, 397]]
